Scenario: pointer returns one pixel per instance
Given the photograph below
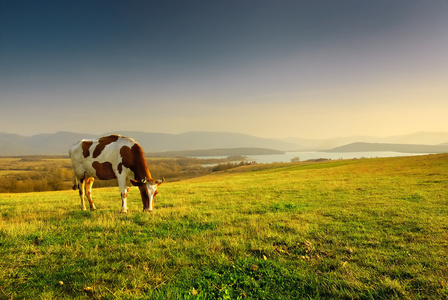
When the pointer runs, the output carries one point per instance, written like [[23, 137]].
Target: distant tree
[[295, 159]]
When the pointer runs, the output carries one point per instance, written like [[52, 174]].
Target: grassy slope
[[366, 229]]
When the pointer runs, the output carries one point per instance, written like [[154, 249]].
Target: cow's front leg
[[88, 190], [124, 196]]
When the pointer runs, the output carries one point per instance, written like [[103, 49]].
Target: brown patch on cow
[[120, 168], [134, 159], [102, 143], [85, 148], [104, 171]]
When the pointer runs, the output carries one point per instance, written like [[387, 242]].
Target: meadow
[[346, 229]]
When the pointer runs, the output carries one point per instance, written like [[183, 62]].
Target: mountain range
[[403, 148], [59, 142], [417, 138]]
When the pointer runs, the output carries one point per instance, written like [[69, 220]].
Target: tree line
[[38, 175]]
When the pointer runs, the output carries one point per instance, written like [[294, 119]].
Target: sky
[[274, 69]]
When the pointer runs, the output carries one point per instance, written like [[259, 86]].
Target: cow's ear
[[136, 182]]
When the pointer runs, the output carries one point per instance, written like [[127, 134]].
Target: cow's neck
[[140, 169], [140, 174], [134, 159]]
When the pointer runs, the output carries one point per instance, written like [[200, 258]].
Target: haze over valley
[[200, 143]]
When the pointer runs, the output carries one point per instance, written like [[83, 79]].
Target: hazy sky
[[278, 68]]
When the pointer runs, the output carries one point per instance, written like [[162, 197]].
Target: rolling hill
[[343, 229]]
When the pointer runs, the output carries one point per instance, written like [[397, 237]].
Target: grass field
[[357, 229]]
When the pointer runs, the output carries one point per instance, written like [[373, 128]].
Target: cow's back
[[98, 158]]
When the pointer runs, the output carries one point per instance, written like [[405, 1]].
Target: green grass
[[358, 229]]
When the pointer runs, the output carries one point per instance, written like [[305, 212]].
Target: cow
[[111, 157]]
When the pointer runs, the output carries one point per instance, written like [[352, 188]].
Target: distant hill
[[422, 137], [158, 142], [41, 144], [418, 138], [59, 142], [218, 152], [403, 148]]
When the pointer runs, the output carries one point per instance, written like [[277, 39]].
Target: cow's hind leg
[[88, 191], [75, 183], [81, 184], [124, 196]]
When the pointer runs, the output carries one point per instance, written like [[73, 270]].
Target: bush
[[227, 166]]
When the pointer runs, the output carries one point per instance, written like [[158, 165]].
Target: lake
[[303, 156]]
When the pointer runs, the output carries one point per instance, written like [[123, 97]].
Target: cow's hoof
[[124, 211], [83, 209], [93, 208], [147, 210]]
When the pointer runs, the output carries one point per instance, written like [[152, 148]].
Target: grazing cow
[[112, 157]]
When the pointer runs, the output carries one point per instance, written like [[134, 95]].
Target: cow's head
[[148, 190]]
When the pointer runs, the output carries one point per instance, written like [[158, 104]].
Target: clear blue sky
[[268, 68]]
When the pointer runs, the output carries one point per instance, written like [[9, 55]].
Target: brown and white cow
[[112, 157]]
